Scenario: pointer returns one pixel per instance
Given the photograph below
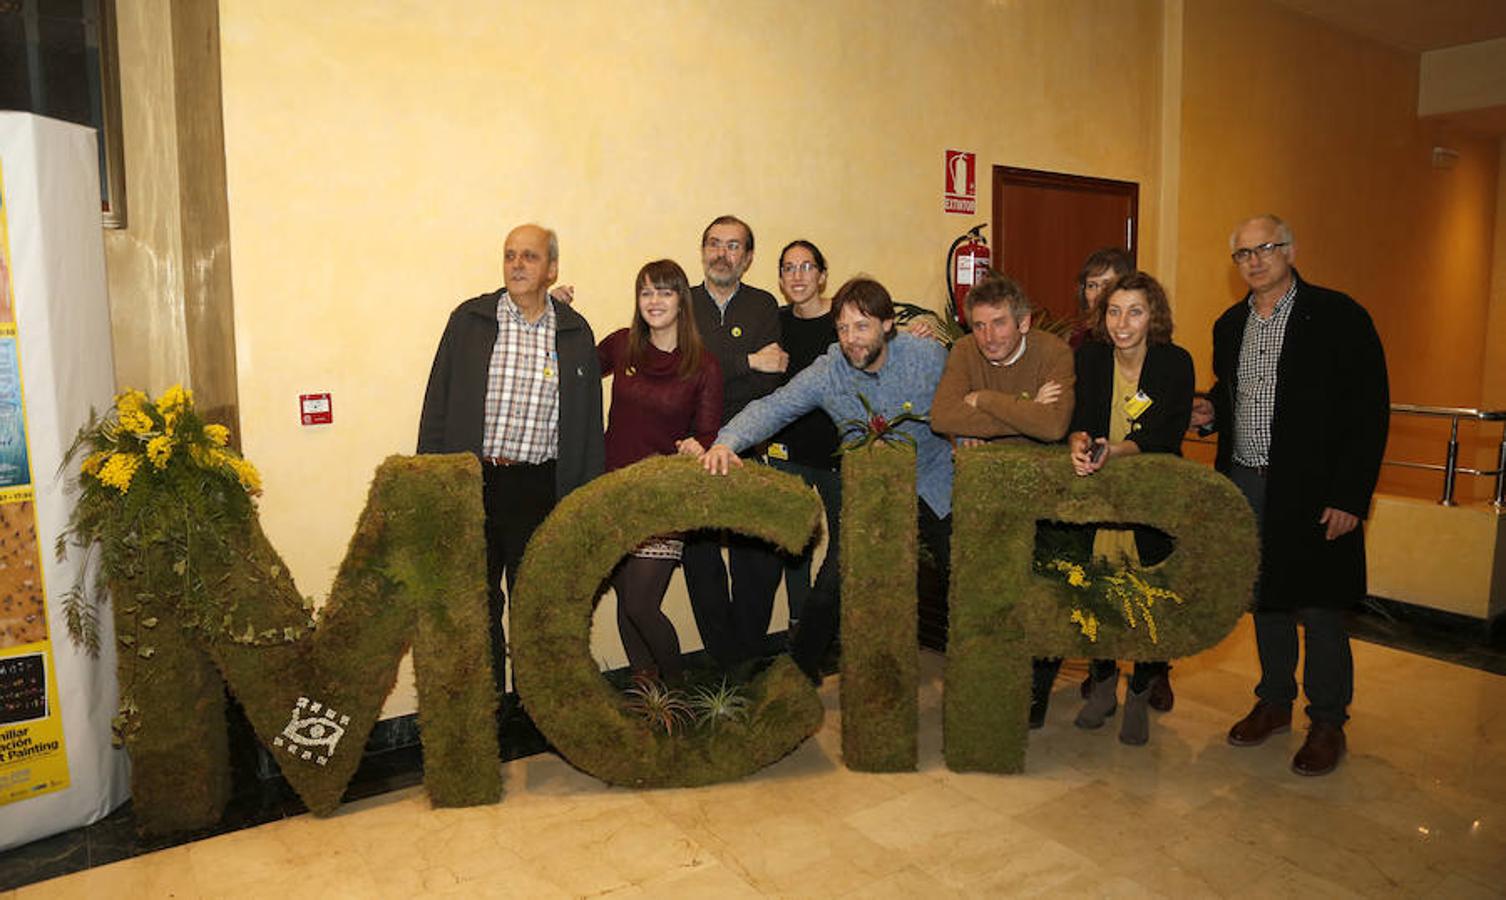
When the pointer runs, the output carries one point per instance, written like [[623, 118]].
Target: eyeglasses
[[1264, 251], [805, 268], [729, 246]]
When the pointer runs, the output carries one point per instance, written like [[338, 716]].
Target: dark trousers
[[1328, 672], [821, 612], [797, 570], [517, 498], [1143, 674], [933, 576], [732, 625]]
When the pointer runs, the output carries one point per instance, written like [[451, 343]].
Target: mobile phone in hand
[[1096, 455]]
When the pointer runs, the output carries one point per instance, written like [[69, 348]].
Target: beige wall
[[1323, 130], [377, 152]]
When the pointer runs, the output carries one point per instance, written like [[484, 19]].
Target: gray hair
[[1283, 230], [999, 289]]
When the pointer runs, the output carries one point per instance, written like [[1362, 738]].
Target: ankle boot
[[1102, 701], [1134, 728]]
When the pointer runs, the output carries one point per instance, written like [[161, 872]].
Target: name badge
[[1138, 404]]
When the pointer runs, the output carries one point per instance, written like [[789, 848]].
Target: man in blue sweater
[[896, 373]]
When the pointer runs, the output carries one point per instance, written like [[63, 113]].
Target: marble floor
[[1417, 809]]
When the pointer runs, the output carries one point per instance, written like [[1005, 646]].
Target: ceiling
[[1415, 25]]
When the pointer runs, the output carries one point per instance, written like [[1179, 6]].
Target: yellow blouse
[[1117, 545]]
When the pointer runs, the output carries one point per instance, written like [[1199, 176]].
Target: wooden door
[[1046, 224]]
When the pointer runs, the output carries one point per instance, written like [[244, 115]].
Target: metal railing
[[1451, 468]]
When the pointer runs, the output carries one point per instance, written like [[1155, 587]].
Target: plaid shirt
[[1255, 402], [523, 387]]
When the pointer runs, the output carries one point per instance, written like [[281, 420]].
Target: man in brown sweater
[[1003, 382]]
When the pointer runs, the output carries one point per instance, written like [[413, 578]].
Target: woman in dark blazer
[[1134, 395]]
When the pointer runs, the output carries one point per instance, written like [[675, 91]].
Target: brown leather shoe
[[1161, 697], [1263, 721], [1321, 753]]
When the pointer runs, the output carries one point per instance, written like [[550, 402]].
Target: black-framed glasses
[[1264, 251]]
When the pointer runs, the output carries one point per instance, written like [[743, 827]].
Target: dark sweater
[[652, 406], [1166, 377], [749, 323], [811, 439]]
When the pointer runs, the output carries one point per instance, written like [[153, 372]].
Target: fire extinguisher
[[968, 262]]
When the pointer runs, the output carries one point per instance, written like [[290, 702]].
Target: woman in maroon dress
[[666, 398]]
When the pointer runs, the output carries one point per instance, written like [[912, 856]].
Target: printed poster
[[33, 759]]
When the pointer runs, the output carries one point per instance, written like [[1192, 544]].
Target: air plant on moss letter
[[714, 706], [874, 427], [661, 707]]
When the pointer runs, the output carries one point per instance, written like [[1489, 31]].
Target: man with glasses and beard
[[740, 326]]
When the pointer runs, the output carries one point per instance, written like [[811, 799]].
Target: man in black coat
[[516, 382], [740, 325], [1301, 406]]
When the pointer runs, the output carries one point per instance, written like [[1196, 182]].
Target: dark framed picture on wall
[[58, 59]]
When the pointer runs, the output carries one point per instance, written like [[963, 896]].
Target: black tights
[[647, 634]]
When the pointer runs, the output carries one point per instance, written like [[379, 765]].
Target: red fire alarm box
[[315, 409]]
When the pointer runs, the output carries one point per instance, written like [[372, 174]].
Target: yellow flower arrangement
[[147, 467], [143, 431], [246, 474], [93, 462], [159, 450], [1087, 622], [155, 482], [118, 470], [132, 400], [172, 404], [174, 399], [1105, 589], [137, 423], [1076, 576]]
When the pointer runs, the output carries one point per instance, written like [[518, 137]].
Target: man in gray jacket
[[516, 382]]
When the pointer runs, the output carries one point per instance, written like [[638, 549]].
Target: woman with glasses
[[1099, 270], [666, 398], [807, 447], [1134, 395]]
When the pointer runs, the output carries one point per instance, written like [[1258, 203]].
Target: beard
[[723, 277], [868, 358]]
